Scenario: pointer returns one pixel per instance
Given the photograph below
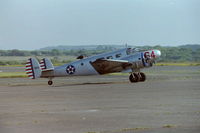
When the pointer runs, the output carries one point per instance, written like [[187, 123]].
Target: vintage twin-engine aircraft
[[123, 60]]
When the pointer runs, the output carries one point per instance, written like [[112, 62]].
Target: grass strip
[[12, 75], [178, 64]]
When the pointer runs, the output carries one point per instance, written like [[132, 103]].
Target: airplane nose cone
[[157, 53]]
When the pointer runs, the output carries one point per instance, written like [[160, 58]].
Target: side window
[[100, 58], [118, 55], [128, 51], [109, 57]]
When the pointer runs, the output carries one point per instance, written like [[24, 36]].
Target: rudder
[[46, 64], [33, 69]]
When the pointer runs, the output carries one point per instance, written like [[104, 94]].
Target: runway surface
[[101, 104]]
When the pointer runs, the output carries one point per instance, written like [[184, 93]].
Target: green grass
[[12, 74], [16, 61], [12, 65], [178, 64]]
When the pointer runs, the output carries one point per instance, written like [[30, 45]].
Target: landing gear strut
[[137, 77]]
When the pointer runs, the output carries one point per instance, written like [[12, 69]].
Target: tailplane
[[33, 69]]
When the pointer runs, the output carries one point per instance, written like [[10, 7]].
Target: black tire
[[50, 82], [133, 78], [142, 77]]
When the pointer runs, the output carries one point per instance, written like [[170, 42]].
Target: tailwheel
[[50, 82], [142, 77], [133, 78]]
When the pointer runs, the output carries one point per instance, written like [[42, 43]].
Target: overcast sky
[[33, 24]]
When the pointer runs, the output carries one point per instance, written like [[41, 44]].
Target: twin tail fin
[[34, 69]]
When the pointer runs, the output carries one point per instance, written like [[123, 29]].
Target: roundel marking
[[70, 69]]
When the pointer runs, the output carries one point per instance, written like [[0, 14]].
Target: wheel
[[50, 82], [133, 78], [142, 77]]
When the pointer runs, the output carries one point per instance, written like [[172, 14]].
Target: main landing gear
[[50, 82], [137, 77]]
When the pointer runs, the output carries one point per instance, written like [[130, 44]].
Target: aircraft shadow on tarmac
[[87, 83]]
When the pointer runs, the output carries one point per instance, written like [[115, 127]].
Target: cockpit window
[[128, 51], [118, 55]]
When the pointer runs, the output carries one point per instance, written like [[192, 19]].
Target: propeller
[[150, 61]]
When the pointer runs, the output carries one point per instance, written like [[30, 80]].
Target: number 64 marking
[[148, 55]]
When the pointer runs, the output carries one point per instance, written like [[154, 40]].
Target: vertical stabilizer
[[46, 65], [33, 69]]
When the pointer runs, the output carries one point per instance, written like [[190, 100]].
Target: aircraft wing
[[103, 66]]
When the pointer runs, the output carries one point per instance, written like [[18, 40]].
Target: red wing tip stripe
[[42, 66], [29, 72], [30, 75], [28, 66], [28, 69]]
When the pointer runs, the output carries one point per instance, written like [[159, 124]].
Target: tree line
[[169, 54]]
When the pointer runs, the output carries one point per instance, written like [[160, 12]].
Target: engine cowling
[[150, 56]]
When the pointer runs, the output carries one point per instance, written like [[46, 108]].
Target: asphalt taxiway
[[101, 104]]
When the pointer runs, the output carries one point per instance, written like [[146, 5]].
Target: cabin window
[[128, 51], [118, 55], [109, 57], [101, 58], [82, 64]]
